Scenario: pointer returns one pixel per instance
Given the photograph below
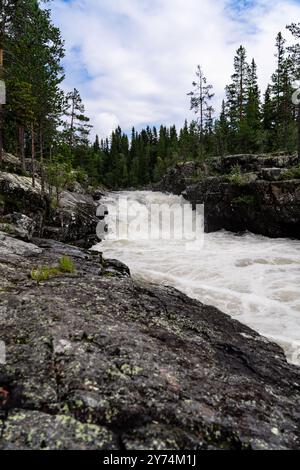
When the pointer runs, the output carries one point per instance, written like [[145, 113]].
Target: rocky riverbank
[[258, 193], [26, 211], [95, 360]]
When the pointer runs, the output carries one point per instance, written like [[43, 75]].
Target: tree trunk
[[21, 146], [1, 136], [1, 108], [42, 160], [299, 132], [32, 155]]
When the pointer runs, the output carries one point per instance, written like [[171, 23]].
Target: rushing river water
[[252, 278]]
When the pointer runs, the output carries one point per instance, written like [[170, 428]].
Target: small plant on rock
[[44, 273], [292, 173], [66, 265]]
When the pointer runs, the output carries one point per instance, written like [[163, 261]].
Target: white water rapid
[[254, 279]]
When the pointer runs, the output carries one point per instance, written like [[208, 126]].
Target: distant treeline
[[41, 122]]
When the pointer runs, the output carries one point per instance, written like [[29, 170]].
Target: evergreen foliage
[[42, 123]]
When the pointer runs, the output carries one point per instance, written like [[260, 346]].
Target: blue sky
[[134, 60]]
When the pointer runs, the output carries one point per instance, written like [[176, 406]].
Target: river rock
[[101, 362]]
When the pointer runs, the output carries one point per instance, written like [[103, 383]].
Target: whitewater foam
[[252, 278]]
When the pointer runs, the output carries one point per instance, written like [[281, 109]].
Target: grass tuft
[[44, 273], [66, 265]]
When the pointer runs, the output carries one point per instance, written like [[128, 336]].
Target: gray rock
[[176, 179], [272, 174], [251, 163], [74, 221], [18, 196], [18, 225], [270, 208], [252, 199], [97, 362]]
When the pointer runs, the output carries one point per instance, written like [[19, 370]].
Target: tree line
[[42, 123], [39, 121]]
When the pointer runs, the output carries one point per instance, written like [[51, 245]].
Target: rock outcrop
[[18, 196], [244, 192], [178, 178], [95, 360], [74, 220], [26, 211]]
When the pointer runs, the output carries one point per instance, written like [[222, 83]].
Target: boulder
[[176, 179], [272, 174], [74, 221], [18, 196], [100, 362], [11, 164], [18, 225]]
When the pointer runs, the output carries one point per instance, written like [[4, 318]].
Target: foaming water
[[252, 278]]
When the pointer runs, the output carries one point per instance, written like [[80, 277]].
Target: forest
[[48, 126]]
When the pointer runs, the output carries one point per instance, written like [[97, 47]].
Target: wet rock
[[115, 268], [97, 362], [98, 194]]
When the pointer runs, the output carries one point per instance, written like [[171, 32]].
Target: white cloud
[[134, 60]]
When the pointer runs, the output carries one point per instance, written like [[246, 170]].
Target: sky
[[134, 61]]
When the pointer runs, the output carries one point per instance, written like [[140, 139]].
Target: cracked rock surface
[[95, 360]]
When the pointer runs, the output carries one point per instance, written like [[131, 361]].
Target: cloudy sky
[[134, 60]]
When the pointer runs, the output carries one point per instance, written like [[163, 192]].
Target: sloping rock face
[[99, 361], [258, 199]]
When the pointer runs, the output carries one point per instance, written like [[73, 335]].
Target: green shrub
[[245, 200], [292, 173], [40, 274], [66, 265], [7, 228], [237, 177]]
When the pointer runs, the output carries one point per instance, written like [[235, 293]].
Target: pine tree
[[200, 101], [236, 92], [253, 110], [78, 128], [268, 120], [282, 94], [295, 56]]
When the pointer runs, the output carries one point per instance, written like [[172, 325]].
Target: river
[[254, 279]]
